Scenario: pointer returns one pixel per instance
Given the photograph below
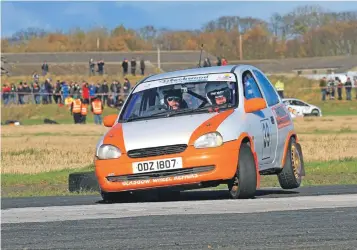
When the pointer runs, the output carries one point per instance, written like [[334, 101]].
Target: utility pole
[[158, 57], [97, 43], [240, 47]]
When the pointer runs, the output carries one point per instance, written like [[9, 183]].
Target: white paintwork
[[124, 210], [178, 129], [303, 109], [162, 132]]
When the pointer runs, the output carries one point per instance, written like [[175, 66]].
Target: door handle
[[272, 120]]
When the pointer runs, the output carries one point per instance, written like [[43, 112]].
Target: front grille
[[156, 151], [159, 174]]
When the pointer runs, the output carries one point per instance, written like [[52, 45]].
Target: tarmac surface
[[322, 217]]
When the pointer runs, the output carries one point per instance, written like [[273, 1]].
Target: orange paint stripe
[[116, 137], [286, 145], [210, 125]]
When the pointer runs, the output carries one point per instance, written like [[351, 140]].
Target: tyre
[[315, 112], [112, 197], [244, 183], [82, 181], [291, 175]]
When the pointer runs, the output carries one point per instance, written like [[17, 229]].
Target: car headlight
[[210, 140], [108, 152]]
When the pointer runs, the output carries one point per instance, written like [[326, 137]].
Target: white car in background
[[301, 108]]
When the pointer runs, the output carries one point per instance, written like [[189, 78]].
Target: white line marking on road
[[122, 210]]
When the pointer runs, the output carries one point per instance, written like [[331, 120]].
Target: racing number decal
[[266, 139]]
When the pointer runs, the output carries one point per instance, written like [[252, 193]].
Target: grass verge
[[335, 172]]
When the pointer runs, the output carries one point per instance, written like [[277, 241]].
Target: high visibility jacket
[[279, 86], [97, 107], [84, 109], [76, 106]]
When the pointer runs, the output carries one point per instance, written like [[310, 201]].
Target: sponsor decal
[[160, 180], [282, 116], [185, 79]]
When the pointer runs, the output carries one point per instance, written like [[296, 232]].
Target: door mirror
[[109, 120], [254, 104]]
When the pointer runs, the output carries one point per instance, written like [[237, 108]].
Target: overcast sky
[[175, 15]]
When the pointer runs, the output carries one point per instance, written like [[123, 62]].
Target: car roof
[[196, 71]]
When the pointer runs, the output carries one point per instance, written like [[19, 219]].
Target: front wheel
[[291, 175], [244, 183]]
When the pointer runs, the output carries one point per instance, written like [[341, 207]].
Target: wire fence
[[21, 98]]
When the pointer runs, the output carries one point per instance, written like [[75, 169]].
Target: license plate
[[157, 165]]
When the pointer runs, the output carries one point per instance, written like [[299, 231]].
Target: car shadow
[[199, 195]]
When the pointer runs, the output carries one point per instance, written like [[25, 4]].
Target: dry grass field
[[41, 148]]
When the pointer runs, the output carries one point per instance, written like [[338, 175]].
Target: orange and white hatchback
[[199, 128]]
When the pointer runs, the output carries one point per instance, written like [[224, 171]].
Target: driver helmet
[[173, 94], [217, 90]]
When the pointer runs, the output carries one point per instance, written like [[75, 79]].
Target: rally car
[[300, 108], [199, 128]]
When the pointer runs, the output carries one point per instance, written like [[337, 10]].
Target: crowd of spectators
[[61, 92], [329, 87]]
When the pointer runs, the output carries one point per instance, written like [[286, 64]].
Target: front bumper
[[199, 165]]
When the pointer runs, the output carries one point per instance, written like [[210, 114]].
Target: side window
[[250, 86], [268, 89]]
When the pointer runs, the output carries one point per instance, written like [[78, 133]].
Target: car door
[[298, 106], [269, 124], [262, 123]]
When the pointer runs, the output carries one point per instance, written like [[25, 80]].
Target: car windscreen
[[169, 97]]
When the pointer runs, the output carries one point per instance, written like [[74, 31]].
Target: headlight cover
[[209, 140], [108, 152]]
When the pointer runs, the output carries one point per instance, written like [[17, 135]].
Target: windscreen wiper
[[145, 117], [207, 108]]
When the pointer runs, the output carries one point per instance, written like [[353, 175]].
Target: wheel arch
[[291, 134], [247, 139]]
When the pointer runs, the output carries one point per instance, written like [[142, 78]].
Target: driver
[[173, 99], [218, 93]]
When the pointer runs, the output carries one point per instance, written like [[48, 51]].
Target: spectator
[[44, 68], [105, 91], [331, 86], [348, 86], [97, 110], [356, 86], [13, 91], [323, 88], [85, 92], [65, 90], [35, 77], [91, 67], [92, 90], [27, 92], [219, 61], [57, 94], [125, 66], [126, 86], [339, 88], [36, 93], [6, 93], [100, 67], [49, 90], [43, 93], [20, 93], [133, 66], [142, 66], [207, 62], [224, 61]]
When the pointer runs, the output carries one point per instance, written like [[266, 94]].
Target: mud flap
[[302, 159]]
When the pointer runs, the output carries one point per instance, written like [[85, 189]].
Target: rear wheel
[[291, 175], [243, 184], [315, 112]]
